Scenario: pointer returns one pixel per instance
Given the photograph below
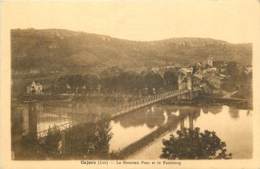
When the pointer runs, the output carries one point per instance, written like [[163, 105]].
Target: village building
[[248, 69], [34, 88], [197, 80], [214, 79], [68, 88], [185, 79], [210, 79], [210, 61]]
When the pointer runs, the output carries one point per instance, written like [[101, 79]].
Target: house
[[185, 79], [68, 88], [197, 80], [34, 88], [248, 69], [214, 78], [206, 87], [210, 61]]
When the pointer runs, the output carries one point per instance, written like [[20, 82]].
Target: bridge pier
[[191, 121], [182, 124]]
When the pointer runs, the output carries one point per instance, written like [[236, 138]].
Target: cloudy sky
[[230, 20]]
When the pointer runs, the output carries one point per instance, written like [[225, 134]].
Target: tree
[[171, 79], [75, 81], [51, 141], [153, 80], [91, 81], [233, 70], [89, 139], [193, 144]]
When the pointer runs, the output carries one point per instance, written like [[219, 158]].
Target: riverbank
[[212, 100]]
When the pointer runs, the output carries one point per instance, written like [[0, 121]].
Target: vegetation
[[28, 147], [111, 80], [238, 80], [193, 144], [51, 141], [88, 140], [116, 80]]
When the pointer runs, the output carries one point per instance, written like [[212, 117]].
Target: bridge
[[186, 94], [71, 96], [138, 104]]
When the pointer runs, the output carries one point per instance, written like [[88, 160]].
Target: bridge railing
[[147, 101], [61, 127]]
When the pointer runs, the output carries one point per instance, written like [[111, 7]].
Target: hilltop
[[58, 50]]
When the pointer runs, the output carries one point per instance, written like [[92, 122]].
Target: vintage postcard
[[130, 84]]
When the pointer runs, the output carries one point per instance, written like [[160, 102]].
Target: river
[[230, 124]]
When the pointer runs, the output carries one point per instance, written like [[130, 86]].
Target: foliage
[[171, 79], [112, 80], [29, 147], [89, 139], [193, 144], [238, 80], [29, 141], [51, 141]]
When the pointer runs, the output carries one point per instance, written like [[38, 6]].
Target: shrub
[[193, 144]]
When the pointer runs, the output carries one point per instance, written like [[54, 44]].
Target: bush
[[51, 140], [89, 139], [193, 144]]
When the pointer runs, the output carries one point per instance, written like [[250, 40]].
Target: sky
[[142, 20]]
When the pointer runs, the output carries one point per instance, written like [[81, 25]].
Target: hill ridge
[[63, 50]]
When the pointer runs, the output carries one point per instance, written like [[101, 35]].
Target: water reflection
[[234, 113], [218, 119], [152, 117]]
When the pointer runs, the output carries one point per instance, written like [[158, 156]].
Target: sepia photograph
[[131, 80]]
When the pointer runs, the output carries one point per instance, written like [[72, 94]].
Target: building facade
[[34, 88]]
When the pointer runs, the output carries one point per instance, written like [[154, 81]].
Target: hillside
[[56, 50]]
